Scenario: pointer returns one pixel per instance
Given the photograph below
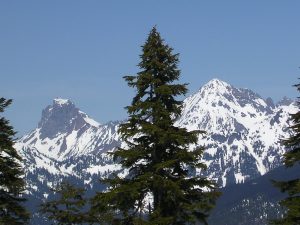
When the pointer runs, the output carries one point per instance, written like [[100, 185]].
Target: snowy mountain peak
[[63, 117], [215, 86], [242, 140], [64, 131], [62, 102], [215, 82], [241, 127], [217, 92], [60, 117]]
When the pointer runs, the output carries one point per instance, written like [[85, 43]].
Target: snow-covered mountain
[[242, 140], [64, 131], [243, 130], [63, 134]]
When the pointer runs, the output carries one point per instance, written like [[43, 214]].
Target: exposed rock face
[[61, 117], [242, 140]]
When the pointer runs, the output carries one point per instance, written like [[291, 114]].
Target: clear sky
[[81, 50]]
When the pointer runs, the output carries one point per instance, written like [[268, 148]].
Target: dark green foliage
[[291, 187], [158, 154], [11, 182], [293, 143], [68, 208]]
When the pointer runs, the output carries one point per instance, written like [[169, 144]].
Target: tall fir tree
[[12, 184], [291, 187], [158, 189]]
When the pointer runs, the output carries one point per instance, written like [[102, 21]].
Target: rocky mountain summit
[[242, 140], [243, 130]]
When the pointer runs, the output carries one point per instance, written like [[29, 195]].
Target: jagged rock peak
[[285, 101], [63, 117]]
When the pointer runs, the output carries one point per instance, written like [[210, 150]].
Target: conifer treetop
[[159, 188]]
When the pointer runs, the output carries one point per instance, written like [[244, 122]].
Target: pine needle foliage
[[291, 187], [68, 208], [158, 155], [12, 184]]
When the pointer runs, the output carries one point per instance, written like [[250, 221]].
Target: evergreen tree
[[12, 184], [68, 208], [292, 187], [159, 189]]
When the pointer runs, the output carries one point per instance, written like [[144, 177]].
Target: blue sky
[[81, 50]]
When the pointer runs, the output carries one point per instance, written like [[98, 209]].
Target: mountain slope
[[242, 140], [254, 202], [64, 131], [243, 130]]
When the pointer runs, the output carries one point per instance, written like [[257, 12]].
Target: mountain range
[[242, 140]]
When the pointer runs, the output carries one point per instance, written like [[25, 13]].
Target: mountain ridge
[[237, 117], [242, 140]]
